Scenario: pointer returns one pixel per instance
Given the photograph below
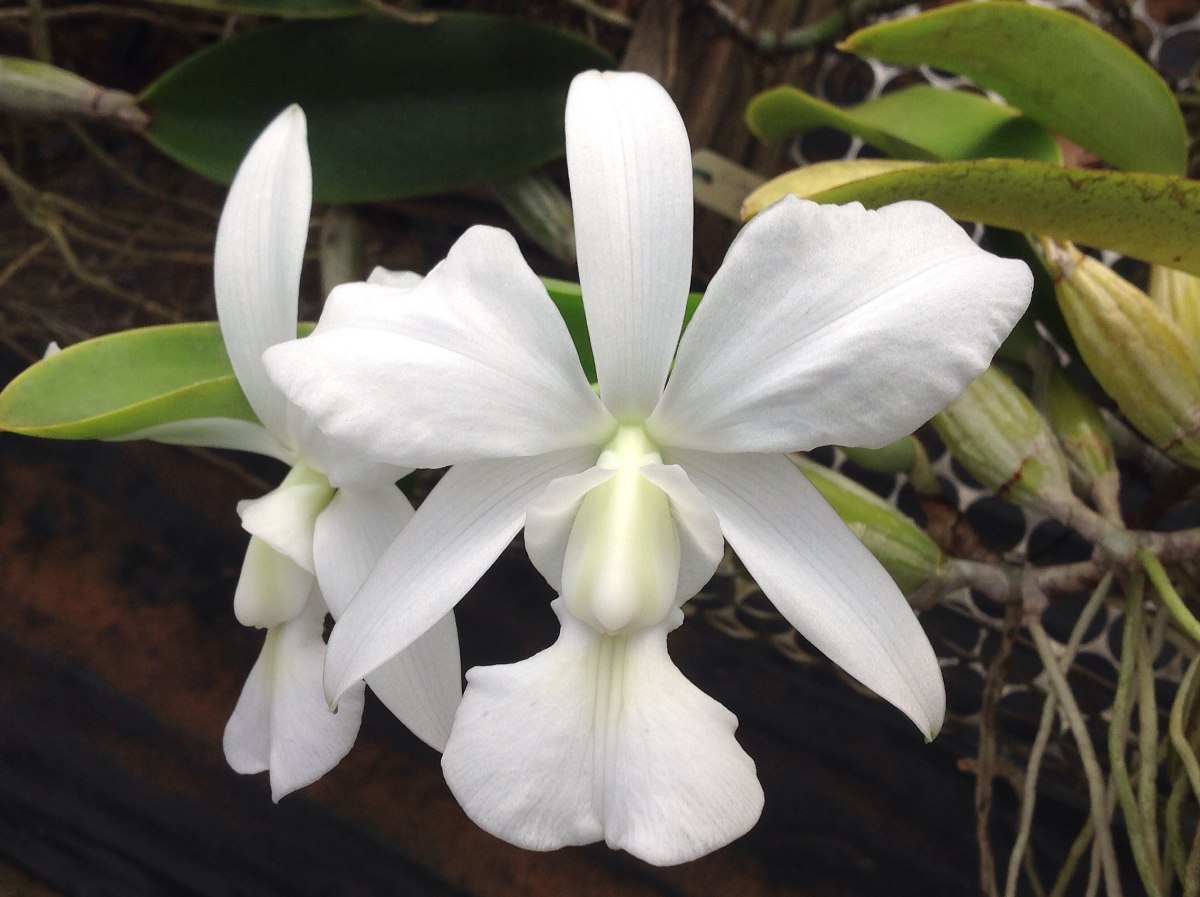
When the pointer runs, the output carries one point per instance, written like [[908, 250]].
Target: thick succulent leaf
[[1058, 69], [116, 385], [918, 122], [288, 9], [569, 298], [1153, 217], [394, 109]]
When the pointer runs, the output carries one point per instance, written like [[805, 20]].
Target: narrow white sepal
[[218, 433], [281, 722], [821, 578], [837, 325], [271, 589], [601, 737], [259, 254], [631, 187], [422, 685], [452, 539]]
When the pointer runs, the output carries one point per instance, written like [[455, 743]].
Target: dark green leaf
[[394, 109]]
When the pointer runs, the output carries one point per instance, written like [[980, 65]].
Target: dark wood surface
[[120, 661]]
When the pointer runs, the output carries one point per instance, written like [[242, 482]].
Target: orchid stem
[[1162, 584]]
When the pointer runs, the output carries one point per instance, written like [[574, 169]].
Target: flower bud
[[997, 434], [903, 549], [1178, 294], [1080, 429], [1142, 358], [542, 212], [40, 89]]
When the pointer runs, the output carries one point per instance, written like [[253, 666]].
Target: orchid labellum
[[824, 325]]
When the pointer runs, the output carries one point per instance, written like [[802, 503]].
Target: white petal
[[422, 685], [216, 432], [821, 578], [477, 363], [284, 518], [456, 534], [259, 253], [631, 188], [838, 325], [403, 280], [701, 543], [281, 721], [601, 737], [272, 589], [340, 464], [550, 518], [349, 537]]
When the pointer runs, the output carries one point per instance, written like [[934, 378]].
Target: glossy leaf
[[286, 9], [1059, 70], [918, 122], [394, 109], [124, 382], [114, 385], [1148, 216]]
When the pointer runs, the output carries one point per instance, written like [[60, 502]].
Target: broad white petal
[[284, 518], [631, 189], [550, 518], [831, 324], [422, 685], [456, 534], [217, 432], [403, 280], [821, 578], [259, 253], [701, 543], [601, 737], [477, 363], [272, 589], [281, 721]]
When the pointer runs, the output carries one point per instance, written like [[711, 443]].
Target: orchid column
[[824, 325]]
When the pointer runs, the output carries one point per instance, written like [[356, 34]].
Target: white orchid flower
[[824, 325], [314, 538]]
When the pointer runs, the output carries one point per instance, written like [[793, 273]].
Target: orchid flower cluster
[[824, 325]]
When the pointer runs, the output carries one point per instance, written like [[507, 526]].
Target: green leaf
[[1061, 71], [1154, 217], [121, 383], [287, 9], [919, 122], [569, 298], [394, 109]]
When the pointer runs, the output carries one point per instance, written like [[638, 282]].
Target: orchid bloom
[[824, 325], [314, 538]]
